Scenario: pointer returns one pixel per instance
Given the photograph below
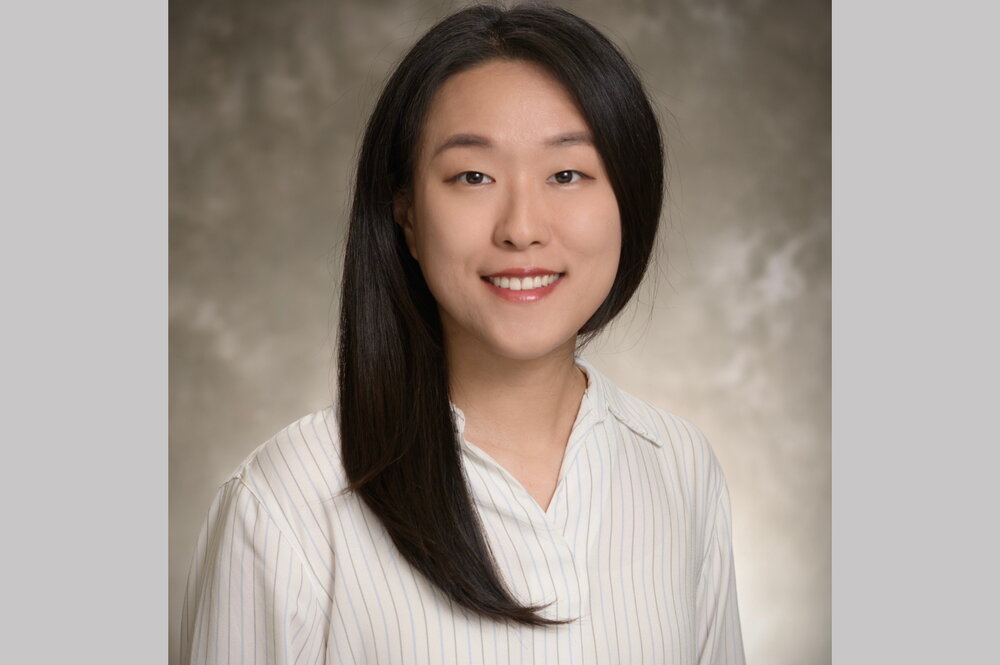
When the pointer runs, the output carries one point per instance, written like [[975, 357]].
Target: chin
[[529, 349]]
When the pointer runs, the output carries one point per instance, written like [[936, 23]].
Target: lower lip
[[531, 295]]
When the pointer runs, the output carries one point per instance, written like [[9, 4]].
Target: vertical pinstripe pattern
[[635, 545]]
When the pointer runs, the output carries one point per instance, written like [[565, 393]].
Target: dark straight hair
[[400, 445]]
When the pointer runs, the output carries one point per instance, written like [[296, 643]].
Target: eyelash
[[460, 176]]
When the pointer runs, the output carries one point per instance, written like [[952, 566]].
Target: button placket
[[573, 579]]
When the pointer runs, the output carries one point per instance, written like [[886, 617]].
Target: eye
[[473, 178], [567, 177]]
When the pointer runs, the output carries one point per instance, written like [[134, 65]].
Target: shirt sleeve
[[718, 617], [249, 596]]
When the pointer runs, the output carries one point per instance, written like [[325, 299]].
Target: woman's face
[[509, 192]]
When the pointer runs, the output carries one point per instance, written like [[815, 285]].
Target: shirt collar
[[609, 398], [601, 398]]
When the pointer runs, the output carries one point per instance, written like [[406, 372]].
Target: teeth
[[525, 284]]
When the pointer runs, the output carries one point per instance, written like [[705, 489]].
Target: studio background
[[732, 330]]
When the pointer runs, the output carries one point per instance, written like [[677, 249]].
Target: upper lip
[[524, 272]]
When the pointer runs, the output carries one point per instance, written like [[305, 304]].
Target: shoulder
[[297, 466], [268, 511], [685, 455], [282, 496], [681, 444]]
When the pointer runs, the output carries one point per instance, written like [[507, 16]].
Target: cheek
[[444, 243], [606, 260], [597, 237]]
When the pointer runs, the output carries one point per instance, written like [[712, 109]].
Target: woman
[[479, 493]]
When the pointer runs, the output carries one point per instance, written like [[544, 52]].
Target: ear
[[402, 212]]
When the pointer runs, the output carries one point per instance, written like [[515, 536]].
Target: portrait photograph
[[500, 332]]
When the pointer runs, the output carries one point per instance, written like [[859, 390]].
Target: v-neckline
[[585, 416]]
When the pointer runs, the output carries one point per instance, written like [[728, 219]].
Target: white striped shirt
[[635, 545]]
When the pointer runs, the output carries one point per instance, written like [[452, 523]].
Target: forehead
[[511, 102]]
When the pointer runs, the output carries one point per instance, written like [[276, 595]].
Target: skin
[[476, 210]]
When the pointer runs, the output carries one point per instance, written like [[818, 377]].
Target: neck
[[522, 406]]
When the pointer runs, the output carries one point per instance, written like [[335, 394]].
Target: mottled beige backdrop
[[267, 102]]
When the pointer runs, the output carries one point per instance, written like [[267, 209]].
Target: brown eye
[[566, 177], [474, 178]]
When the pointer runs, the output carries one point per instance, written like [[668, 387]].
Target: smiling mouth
[[524, 283]]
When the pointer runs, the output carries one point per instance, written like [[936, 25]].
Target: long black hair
[[400, 446]]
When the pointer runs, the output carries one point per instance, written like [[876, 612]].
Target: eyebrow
[[477, 141]]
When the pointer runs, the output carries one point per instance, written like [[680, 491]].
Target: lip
[[531, 295], [524, 272]]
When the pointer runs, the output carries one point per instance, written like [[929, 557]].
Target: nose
[[522, 219]]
